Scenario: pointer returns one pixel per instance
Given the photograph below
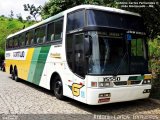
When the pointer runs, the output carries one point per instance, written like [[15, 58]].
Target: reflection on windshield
[[107, 55], [110, 55]]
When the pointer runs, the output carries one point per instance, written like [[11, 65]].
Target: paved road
[[26, 98]]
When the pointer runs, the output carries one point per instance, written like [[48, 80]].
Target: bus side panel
[[22, 62], [24, 66], [37, 64]]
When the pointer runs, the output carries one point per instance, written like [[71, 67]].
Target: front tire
[[58, 88]]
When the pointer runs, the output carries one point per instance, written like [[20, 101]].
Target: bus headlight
[[104, 84], [147, 81]]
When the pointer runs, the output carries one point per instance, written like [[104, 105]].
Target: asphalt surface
[[18, 99]]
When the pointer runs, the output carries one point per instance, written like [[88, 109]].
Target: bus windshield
[[111, 55]]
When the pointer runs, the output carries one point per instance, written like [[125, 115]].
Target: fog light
[[147, 91], [147, 81], [104, 95]]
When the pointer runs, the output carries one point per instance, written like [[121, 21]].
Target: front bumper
[[118, 94]]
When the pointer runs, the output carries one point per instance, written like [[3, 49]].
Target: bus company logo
[[55, 55], [76, 89], [20, 54], [111, 79]]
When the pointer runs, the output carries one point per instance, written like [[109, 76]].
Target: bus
[[92, 54]]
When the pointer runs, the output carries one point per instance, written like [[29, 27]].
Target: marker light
[[93, 84], [104, 84]]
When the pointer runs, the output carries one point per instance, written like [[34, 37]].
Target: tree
[[151, 16], [19, 16], [28, 18], [55, 6], [11, 14], [34, 11]]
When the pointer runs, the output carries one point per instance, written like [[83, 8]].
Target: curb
[[155, 100]]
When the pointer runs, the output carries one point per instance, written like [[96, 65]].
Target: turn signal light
[[93, 84]]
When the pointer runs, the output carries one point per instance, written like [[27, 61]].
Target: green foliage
[[148, 13], [19, 16], [7, 27], [55, 6], [154, 48], [151, 16]]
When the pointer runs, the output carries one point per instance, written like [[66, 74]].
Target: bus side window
[[15, 42], [50, 32], [29, 38], [75, 20], [40, 34], [7, 43], [21, 40], [10, 43], [58, 28]]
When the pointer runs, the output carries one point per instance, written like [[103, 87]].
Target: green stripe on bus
[[33, 64], [40, 64], [136, 78]]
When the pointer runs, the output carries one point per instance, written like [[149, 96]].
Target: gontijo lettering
[[19, 54]]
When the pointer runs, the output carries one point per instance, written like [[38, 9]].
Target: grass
[[10, 26]]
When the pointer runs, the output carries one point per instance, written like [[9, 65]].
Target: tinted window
[[40, 35], [58, 29], [79, 51], [50, 34], [10, 43], [69, 50], [29, 38], [75, 20], [22, 39], [15, 42], [7, 43], [137, 47], [101, 18]]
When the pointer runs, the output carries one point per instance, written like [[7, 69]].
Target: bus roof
[[61, 14]]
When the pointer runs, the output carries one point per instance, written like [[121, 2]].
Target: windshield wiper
[[122, 60]]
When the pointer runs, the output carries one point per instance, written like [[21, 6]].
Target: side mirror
[[88, 45]]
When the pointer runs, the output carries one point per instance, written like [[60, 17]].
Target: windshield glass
[[110, 54]]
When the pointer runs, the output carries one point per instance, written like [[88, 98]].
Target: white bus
[[93, 54]]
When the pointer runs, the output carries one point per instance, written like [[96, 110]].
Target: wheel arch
[[55, 74]]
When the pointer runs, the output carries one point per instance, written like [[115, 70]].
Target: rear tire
[[16, 75], [13, 75], [58, 88]]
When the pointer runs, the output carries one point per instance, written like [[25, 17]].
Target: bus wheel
[[16, 75], [13, 75], [58, 88]]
